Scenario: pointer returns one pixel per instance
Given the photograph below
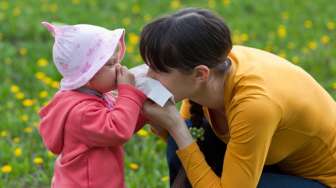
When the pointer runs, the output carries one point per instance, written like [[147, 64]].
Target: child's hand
[[124, 76]]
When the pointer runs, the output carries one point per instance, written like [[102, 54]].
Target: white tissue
[[153, 89]]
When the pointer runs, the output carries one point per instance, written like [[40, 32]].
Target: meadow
[[303, 32]]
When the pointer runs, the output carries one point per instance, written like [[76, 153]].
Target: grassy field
[[301, 31]]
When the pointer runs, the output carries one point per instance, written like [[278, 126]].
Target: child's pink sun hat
[[80, 51]]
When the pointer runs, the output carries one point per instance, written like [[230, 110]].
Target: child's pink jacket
[[88, 136]]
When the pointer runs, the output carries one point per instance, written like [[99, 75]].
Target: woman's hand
[[168, 117]]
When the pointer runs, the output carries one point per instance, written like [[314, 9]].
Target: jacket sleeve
[[252, 124], [100, 126], [142, 120]]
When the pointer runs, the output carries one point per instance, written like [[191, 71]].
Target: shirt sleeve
[[100, 126], [252, 124]]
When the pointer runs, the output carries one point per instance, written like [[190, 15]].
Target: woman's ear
[[201, 73]]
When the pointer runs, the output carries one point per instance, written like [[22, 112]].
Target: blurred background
[[301, 31]]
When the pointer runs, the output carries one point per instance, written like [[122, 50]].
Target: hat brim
[[111, 40]]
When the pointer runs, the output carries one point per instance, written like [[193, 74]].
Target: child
[[84, 126]]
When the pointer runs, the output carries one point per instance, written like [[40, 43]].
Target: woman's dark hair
[[182, 41]]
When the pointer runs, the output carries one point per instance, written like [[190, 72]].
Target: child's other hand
[[124, 76]]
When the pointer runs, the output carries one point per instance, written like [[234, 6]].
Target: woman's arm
[[252, 125]]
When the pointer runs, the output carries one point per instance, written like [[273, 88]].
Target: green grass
[[301, 31]]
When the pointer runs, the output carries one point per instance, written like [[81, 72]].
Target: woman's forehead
[[173, 73]]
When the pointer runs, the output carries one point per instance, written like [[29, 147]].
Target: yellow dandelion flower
[[28, 129], [134, 166], [16, 11], [38, 160], [133, 38], [282, 31], [165, 178], [4, 5], [18, 152], [334, 85], [238, 38], [295, 59], [16, 140], [269, 47], [244, 37], [331, 25], [126, 21], [55, 84], [147, 18], [312, 45], [6, 169], [24, 118], [142, 133], [23, 51], [20, 95], [235, 39], [308, 24], [211, 3], [53, 7], [282, 54], [130, 49], [47, 80], [325, 39], [45, 103], [36, 124], [42, 62], [43, 94], [28, 102], [50, 154], [136, 8], [284, 15], [3, 133], [175, 4], [14, 89], [75, 2], [40, 75], [226, 2]]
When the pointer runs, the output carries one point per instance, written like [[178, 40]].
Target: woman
[[266, 110]]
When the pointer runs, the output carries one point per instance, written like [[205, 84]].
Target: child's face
[[105, 79]]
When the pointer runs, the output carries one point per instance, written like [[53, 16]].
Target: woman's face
[[181, 85]]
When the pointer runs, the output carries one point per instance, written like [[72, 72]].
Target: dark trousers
[[214, 149]]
